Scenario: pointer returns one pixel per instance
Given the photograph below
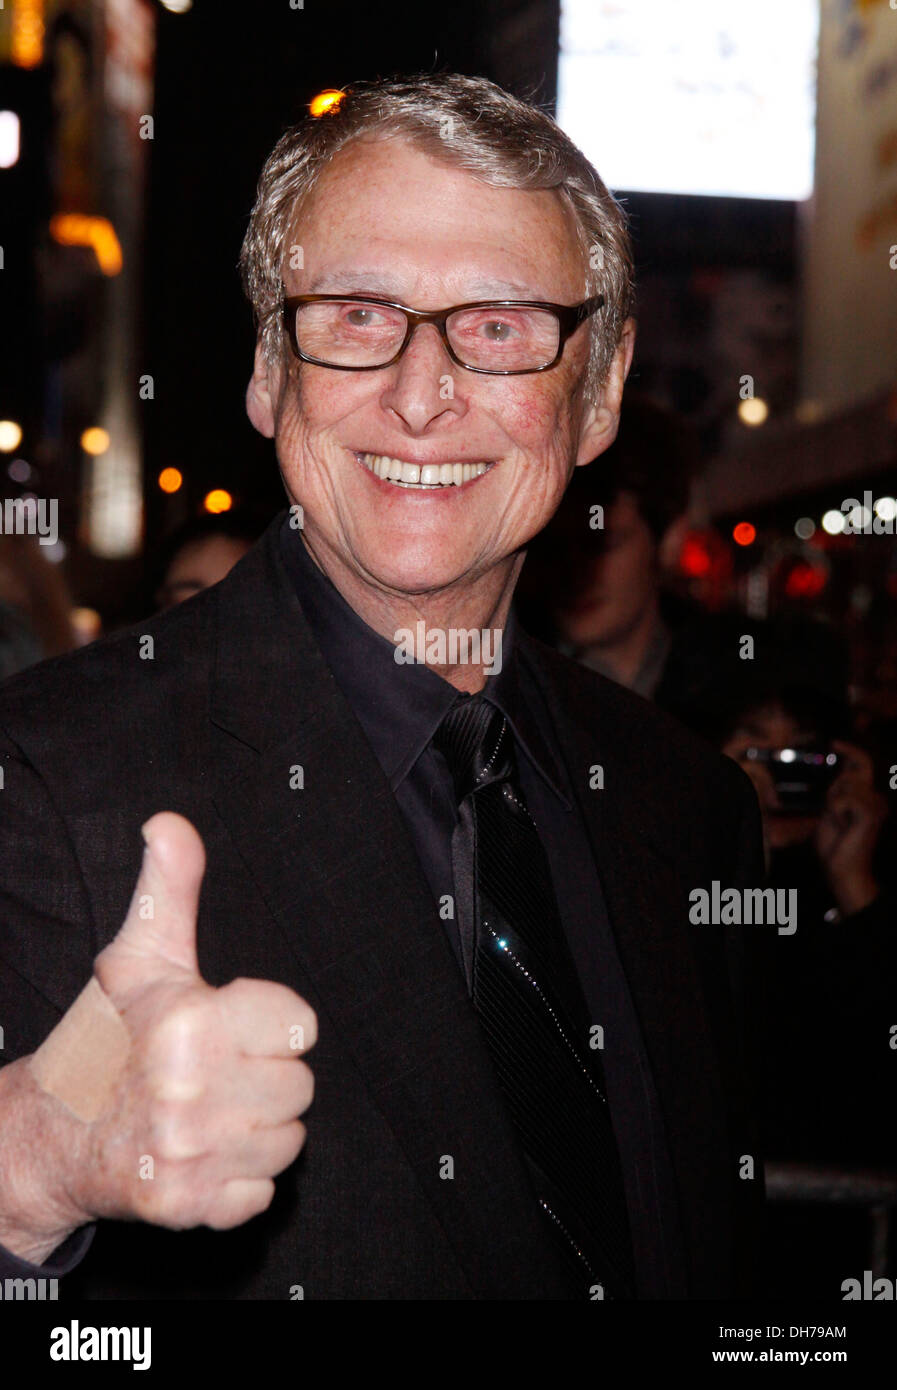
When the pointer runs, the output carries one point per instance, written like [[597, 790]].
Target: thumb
[[157, 939]]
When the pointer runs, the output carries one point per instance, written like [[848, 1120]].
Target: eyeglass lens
[[344, 333]]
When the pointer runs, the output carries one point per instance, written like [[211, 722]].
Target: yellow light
[[753, 411], [26, 46], [170, 479], [87, 623], [77, 229], [95, 440], [10, 435], [218, 500], [325, 101]]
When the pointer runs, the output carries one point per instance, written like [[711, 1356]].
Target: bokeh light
[[218, 501], [325, 101], [170, 479], [753, 412], [95, 440], [10, 435]]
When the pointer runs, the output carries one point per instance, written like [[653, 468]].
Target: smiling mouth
[[428, 477]]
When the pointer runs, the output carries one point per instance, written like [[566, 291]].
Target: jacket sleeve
[[46, 943]]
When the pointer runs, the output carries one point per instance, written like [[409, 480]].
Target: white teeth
[[431, 475]]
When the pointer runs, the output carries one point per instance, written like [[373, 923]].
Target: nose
[[421, 388]]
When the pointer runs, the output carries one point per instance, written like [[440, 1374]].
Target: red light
[[805, 581], [744, 533], [695, 559]]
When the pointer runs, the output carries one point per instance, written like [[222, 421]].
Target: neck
[[456, 631], [624, 655]]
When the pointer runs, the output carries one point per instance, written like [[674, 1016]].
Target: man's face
[[618, 585], [386, 219]]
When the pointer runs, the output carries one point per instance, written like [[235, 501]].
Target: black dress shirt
[[400, 706]]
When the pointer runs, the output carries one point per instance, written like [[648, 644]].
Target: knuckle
[[167, 1201], [175, 1133], [177, 1036], [306, 1089], [308, 1021], [299, 1136]]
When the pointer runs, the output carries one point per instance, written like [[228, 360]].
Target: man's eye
[[363, 318], [497, 330]]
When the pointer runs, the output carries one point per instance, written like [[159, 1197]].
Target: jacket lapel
[[339, 874], [632, 829]]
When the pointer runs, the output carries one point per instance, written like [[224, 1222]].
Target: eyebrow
[[383, 282]]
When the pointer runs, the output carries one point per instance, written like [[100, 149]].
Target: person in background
[[593, 582], [823, 1029], [35, 607], [201, 552]]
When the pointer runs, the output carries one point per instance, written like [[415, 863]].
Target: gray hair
[[470, 124]]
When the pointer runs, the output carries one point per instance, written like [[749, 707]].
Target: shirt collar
[[401, 706]]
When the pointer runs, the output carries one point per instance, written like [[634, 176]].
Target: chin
[[411, 569]]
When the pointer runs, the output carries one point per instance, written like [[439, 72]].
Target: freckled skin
[[453, 556]]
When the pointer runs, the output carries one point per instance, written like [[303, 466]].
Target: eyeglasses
[[498, 337]]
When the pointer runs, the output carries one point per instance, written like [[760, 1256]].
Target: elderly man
[[450, 865]]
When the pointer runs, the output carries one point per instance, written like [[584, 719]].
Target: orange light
[[218, 500], [26, 45], [95, 440], [329, 100], [170, 479], [77, 229], [744, 533]]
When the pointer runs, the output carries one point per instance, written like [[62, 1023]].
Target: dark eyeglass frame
[[569, 317]]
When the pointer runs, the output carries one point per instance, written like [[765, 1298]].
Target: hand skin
[[211, 1090], [848, 830]]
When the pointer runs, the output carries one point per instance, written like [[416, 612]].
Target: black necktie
[[528, 998]]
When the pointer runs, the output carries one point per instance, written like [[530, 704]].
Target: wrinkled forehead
[[394, 215]]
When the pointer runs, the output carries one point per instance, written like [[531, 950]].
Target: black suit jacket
[[320, 888]]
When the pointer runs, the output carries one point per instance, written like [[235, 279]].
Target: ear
[[602, 416], [261, 394]]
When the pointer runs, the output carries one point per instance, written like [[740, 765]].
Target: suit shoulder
[[150, 660], [640, 732]]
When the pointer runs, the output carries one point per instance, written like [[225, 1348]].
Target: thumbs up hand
[[204, 1110]]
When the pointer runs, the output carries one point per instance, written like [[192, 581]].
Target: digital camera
[[802, 776]]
